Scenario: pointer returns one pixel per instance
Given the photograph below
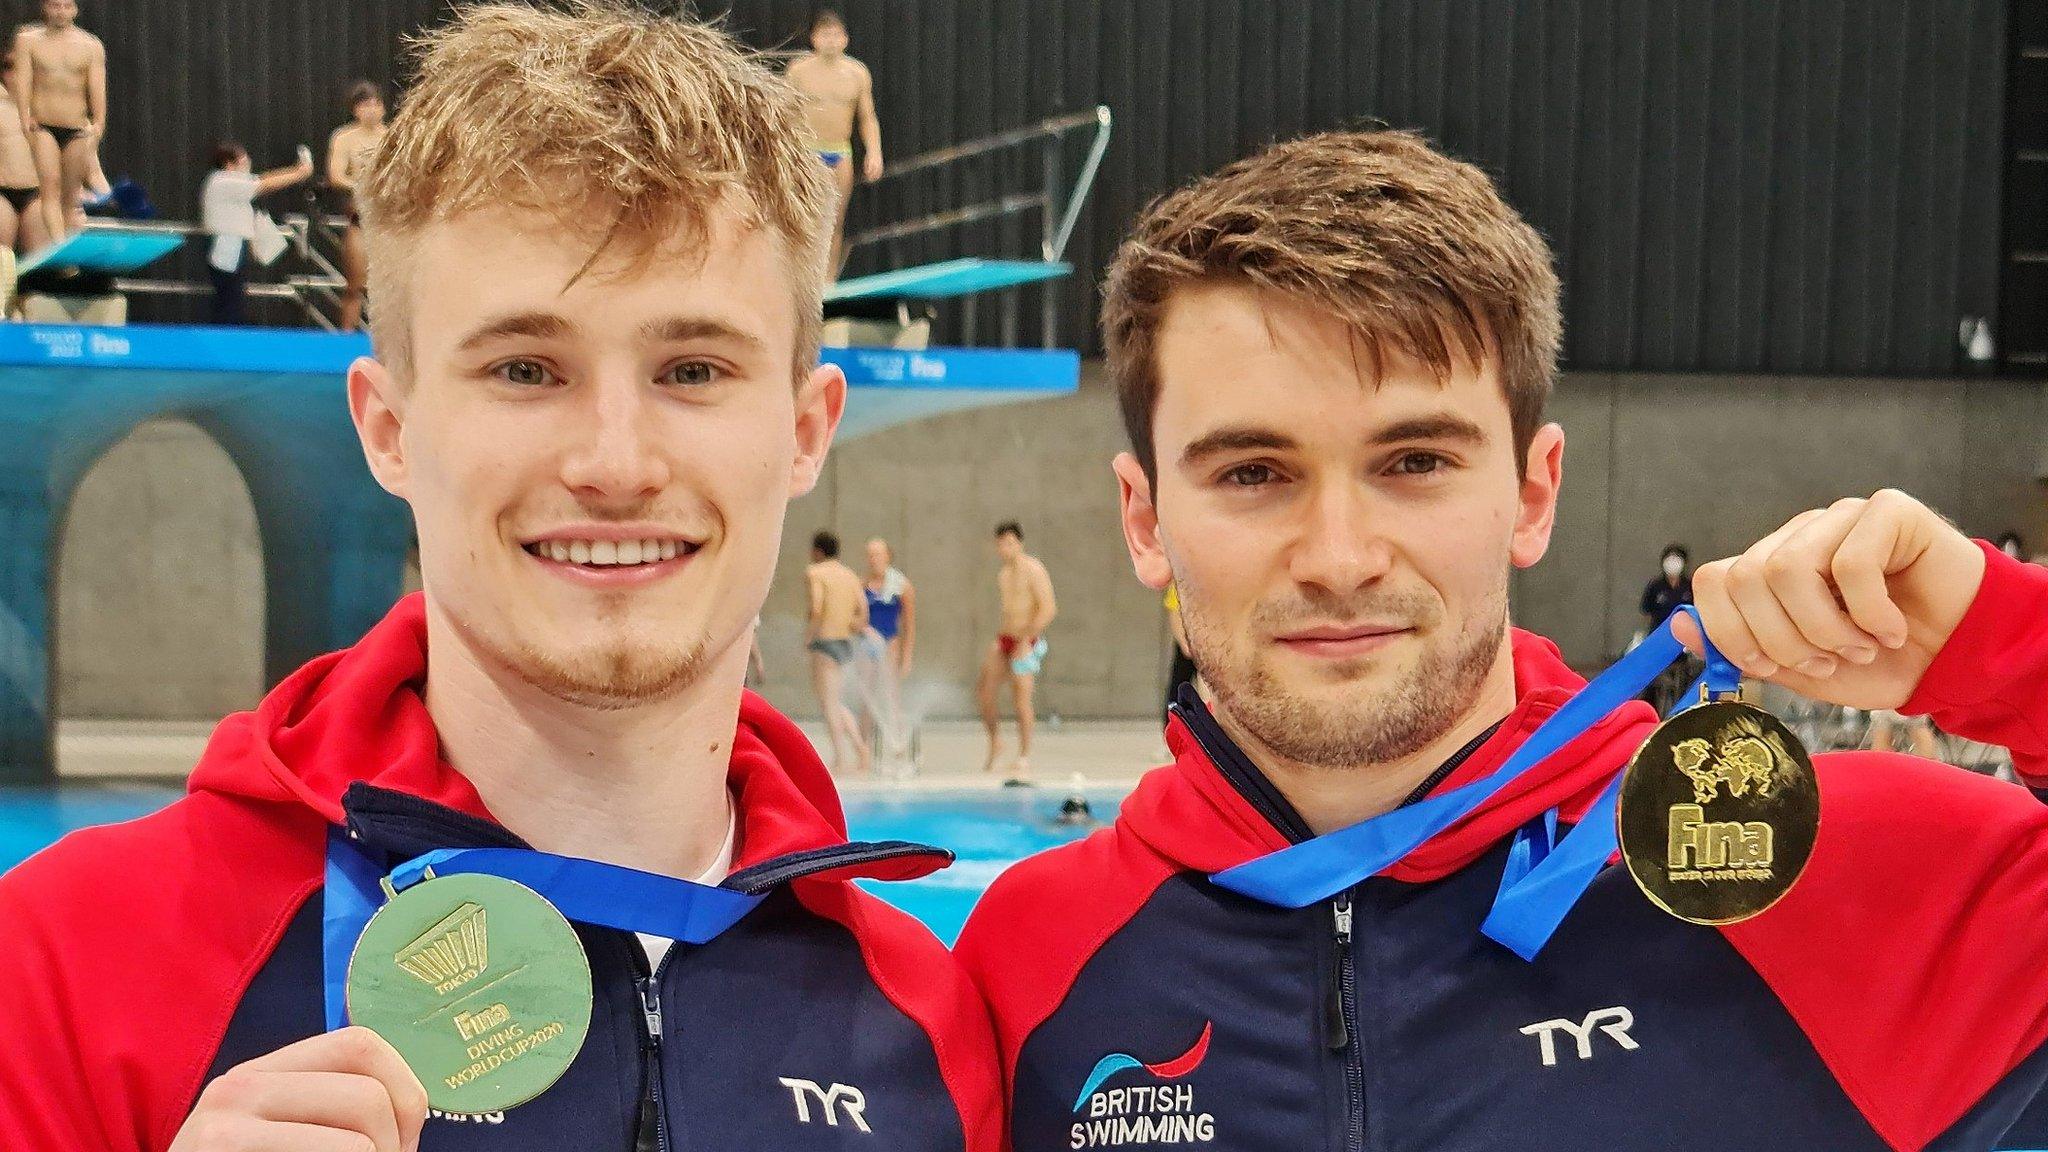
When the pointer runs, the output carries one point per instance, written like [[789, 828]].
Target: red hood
[[1190, 812], [357, 715]]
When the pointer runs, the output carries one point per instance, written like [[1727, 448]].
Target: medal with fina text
[[1718, 811], [480, 984]]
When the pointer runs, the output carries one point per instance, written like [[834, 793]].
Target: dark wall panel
[[1743, 185], [1731, 185]]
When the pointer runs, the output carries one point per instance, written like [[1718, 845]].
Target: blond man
[[596, 246]]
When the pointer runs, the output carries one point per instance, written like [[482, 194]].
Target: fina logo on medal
[[1718, 813], [1743, 758], [1143, 1113], [455, 951]]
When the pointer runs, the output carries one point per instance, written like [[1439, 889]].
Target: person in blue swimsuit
[[890, 641]]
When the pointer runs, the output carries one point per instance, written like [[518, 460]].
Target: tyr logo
[[831, 1101], [1614, 1021]]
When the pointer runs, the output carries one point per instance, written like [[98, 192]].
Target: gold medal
[[1718, 813], [481, 986]]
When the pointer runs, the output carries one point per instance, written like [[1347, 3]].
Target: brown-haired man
[[1332, 360], [1017, 653], [597, 247]]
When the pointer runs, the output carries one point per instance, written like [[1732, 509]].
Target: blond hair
[[1410, 249], [659, 120]]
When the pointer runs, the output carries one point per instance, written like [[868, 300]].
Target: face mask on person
[[1673, 566]]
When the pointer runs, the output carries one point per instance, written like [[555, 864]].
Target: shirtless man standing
[[838, 90], [1018, 651], [839, 614], [21, 219], [60, 89], [349, 152]]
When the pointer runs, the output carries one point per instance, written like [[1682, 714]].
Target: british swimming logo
[[1144, 1113]]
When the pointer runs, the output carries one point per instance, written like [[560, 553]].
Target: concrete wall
[[160, 583], [161, 614], [936, 490]]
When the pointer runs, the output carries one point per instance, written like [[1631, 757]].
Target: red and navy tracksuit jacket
[[140, 961], [1896, 999]]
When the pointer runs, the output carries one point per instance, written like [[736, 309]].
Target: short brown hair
[[658, 118], [359, 92], [1414, 250]]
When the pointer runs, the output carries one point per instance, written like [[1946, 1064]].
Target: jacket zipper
[[1344, 1037], [650, 1014], [647, 986]]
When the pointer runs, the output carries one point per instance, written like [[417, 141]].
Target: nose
[[1340, 547], [618, 457]]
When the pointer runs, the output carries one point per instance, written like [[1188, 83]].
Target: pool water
[[987, 830]]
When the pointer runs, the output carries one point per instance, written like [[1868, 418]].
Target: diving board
[[964, 277], [112, 249]]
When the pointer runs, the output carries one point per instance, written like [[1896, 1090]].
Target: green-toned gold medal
[[479, 983], [1718, 813]]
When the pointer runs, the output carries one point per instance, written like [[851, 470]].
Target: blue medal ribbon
[[1541, 882], [584, 891]]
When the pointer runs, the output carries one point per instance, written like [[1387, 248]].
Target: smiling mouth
[[611, 553]]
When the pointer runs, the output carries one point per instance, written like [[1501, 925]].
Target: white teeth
[[609, 553]]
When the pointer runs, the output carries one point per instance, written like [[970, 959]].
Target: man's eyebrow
[[677, 329], [532, 325], [1239, 438], [1437, 426]]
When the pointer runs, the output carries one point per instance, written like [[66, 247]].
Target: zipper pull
[[650, 1009], [1338, 1032]]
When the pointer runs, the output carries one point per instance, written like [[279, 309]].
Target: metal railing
[[1059, 209], [307, 234], [316, 238]]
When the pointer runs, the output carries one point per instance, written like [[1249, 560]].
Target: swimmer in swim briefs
[[1018, 652]]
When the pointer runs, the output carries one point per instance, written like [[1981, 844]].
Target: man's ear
[[1542, 477], [1141, 523], [820, 403], [377, 405]]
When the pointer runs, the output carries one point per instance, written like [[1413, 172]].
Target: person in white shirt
[[227, 212]]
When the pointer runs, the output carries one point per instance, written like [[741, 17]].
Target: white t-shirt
[[721, 866], [227, 208]]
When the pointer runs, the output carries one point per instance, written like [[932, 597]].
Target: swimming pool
[[987, 830]]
